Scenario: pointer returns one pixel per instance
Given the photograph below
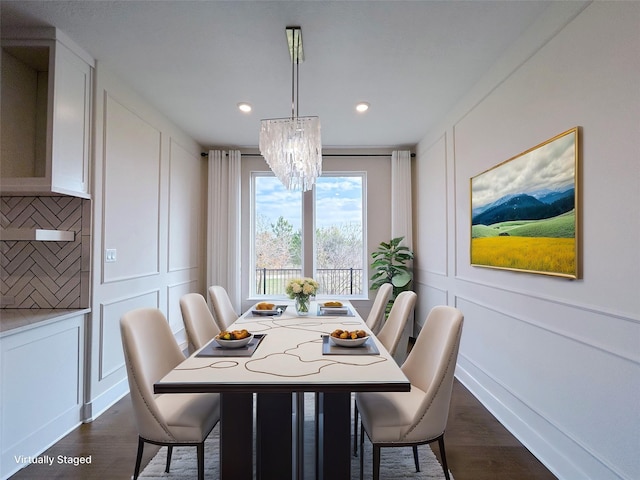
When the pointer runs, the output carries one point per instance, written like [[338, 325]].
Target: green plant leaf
[[379, 264], [396, 241], [389, 265], [401, 279]]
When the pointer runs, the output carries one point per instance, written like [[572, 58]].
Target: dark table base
[[279, 439]]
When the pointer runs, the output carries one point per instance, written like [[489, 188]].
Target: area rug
[[395, 463]]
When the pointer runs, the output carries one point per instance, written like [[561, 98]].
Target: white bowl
[[234, 343], [349, 342], [277, 310]]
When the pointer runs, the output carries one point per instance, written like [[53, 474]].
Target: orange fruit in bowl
[[333, 303], [265, 306]]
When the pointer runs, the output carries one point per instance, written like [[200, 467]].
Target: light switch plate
[[110, 255]]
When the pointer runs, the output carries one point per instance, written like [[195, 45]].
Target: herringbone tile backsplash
[[35, 274]]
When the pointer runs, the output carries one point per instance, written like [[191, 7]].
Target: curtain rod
[[205, 154]]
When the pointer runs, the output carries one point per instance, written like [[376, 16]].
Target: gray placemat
[[335, 311], [215, 350], [367, 348]]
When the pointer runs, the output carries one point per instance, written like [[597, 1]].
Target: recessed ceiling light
[[362, 107], [244, 107]]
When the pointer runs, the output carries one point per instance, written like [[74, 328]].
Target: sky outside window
[[338, 199]]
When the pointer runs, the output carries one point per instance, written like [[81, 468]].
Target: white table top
[[289, 358]]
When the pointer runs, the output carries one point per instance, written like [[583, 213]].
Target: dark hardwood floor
[[478, 447]]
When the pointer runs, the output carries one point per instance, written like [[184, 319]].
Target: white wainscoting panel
[[430, 215], [174, 292], [111, 355], [429, 296], [131, 194], [545, 382], [186, 202]]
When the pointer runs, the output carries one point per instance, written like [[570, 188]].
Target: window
[[339, 254], [277, 235], [318, 234]]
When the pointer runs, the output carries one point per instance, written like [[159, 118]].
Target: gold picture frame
[[525, 210]]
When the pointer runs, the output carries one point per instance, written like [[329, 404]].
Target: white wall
[[149, 193], [556, 360]]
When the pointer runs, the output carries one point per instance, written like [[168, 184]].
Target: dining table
[[262, 387]]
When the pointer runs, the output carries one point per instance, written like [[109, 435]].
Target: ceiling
[[194, 61]]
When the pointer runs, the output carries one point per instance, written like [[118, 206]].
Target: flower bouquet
[[301, 289]]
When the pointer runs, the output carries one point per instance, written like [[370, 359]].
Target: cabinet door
[[42, 388], [71, 124]]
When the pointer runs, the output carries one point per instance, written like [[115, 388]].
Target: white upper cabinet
[[46, 114]]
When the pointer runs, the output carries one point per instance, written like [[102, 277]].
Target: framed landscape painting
[[524, 211]]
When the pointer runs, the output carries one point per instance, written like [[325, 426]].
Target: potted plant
[[390, 266]]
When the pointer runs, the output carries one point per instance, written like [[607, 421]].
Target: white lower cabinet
[[42, 388]]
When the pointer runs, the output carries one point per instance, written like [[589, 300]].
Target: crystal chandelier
[[292, 146]]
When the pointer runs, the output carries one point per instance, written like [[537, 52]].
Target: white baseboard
[[98, 405]]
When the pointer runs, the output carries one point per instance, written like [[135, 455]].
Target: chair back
[[198, 321], [430, 367], [150, 352], [223, 311], [375, 319], [391, 331]]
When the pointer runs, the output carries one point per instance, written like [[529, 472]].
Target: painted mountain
[[536, 206]]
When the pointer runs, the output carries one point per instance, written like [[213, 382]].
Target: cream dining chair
[[396, 419], [198, 321], [389, 336], [391, 332], [375, 319], [150, 352], [223, 311]]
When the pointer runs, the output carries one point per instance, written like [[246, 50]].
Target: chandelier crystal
[[292, 147]]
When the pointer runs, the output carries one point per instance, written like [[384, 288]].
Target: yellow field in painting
[[541, 254]]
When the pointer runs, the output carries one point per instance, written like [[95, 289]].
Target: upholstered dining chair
[[391, 332], [150, 352], [395, 419], [198, 321], [389, 336], [375, 319], [223, 311]]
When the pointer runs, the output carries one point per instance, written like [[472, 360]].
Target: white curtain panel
[[402, 223], [401, 214], [223, 223]]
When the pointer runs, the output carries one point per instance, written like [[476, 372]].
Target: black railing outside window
[[332, 281]]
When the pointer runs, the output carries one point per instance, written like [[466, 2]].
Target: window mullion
[[308, 235]]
